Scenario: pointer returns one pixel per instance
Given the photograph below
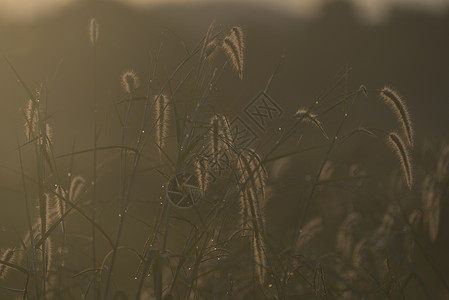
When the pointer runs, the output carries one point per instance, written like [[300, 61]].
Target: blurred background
[[402, 44]]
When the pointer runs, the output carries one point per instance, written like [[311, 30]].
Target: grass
[[220, 227]]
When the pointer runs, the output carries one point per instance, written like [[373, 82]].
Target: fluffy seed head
[[76, 186], [260, 261], [219, 135], [234, 50], [201, 166], [7, 256], [364, 90], [442, 167], [251, 176], [30, 120], [211, 50], [93, 31], [431, 196], [252, 173], [360, 251], [36, 127], [48, 136], [399, 107], [239, 37], [344, 234], [130, 81], [308, 231], [305, 116], [387, 222], [60, 205], [327, 171], [402, 152], [30, 240], [51, 213], [162, 116]]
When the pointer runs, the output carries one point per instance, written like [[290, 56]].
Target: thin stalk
[[94, 179], [123, 197], [122, 204], [40, 168], [28, 216]]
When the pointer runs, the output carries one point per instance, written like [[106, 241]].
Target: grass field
[[169, 195]]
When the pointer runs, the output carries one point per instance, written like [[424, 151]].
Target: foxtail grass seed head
[[434, 219], [414, 218], [48, 136], [260, 260], [252, 173], [251, 178], [162, 117], [239, 37], [201, 171], [327, 171], [60, 198], [234, 51], [258, 172], [48, 254], [51, 211], [211, 50], [399, 107], [428, 192], [308, 232], [130, 81], [387, 222], [35, 128], [30, 120], [93, 31], [280, 168], [432, 191], [402, 152], [360, 251], [366, 131], [305, 116], [76, 187], [364, 90], [345, 234], [431, 197], [442, 167], [7, 256], [220, 137]]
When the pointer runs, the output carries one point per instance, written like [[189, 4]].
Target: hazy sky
[[371, 9]]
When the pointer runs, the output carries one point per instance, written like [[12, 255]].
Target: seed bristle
[[130, 81], [93, 31]]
